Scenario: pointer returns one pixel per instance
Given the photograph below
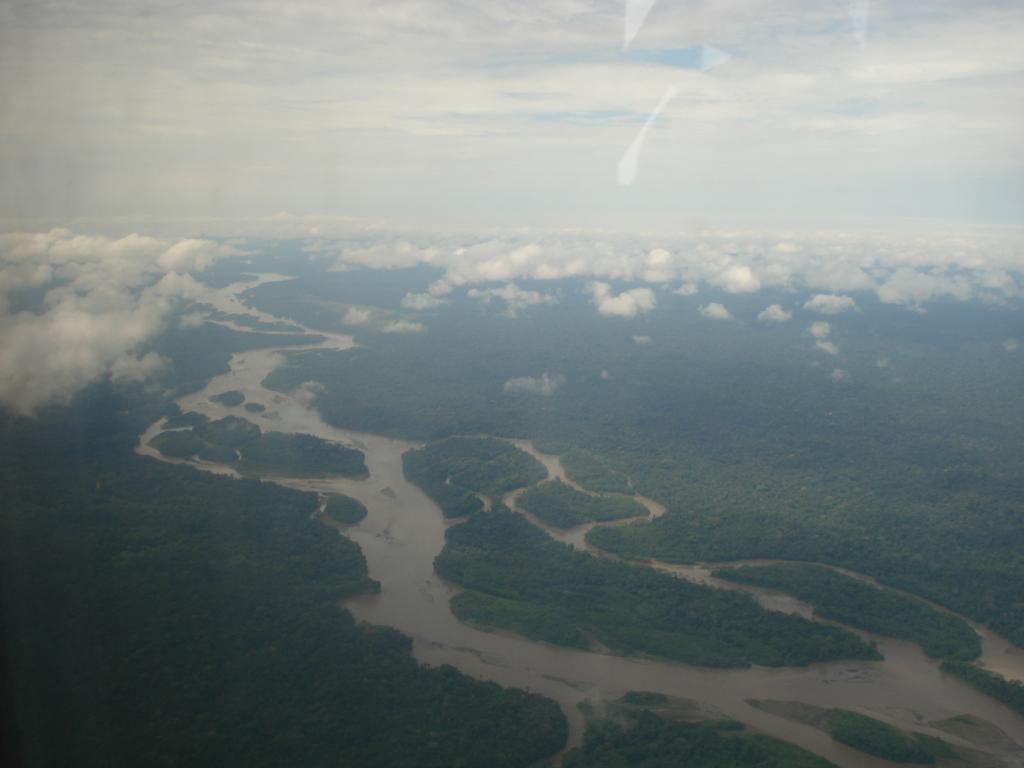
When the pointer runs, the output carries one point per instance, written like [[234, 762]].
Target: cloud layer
[[101, 298], [833, 268], [444, 113]]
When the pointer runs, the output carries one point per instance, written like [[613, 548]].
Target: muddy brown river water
[[404, 532]]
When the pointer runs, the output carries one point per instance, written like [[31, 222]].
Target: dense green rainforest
[[644, 739], [165, 616], [907, 470], [162, 616], [518, 578], [856, 604]]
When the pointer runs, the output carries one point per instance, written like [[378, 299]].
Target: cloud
[[403, 326], [421, 301], [132, 368], [643, 341], [191, 320], [357, 316], [545, 385], [774, 313], [819, 329], [626, 304], [686, 289], [838, 374], [1011, 345], [784, 129], [915, 287], [829, 265], [515, 298], [385, 255], [431, 299], [737, 279], [830, 304], [103, 299], [715, 311]]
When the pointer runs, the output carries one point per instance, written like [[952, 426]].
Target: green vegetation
[[563, 507], [231, 398], [1010, 692], [909, 474], [652, 742], [230, 431], [258, 452], [453, 470], [976, 730], [198, 354], [255, 407], [298, 455], [164, 616], [178, 444], [883, 740], [518, 578], [180, 420], [852, 602], [344, 509], [593, 472]]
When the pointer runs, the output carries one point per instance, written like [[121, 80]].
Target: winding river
[[404, 531]]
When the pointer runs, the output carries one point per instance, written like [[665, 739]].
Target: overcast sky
[[511, 113]]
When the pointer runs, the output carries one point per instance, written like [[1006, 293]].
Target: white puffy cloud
[[774, 313], [659, 267], [545, 384], [403, 326], [421, 301], [104, 297], [830, 304], [819, 329], [915, 287], [643, 341], [516, 299], [737, 279], [357, 316], [385, 255], [831, 266], [715, 311], [629, 303], [838, 374], [188, 256], [686, 289], [1011, 345]]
